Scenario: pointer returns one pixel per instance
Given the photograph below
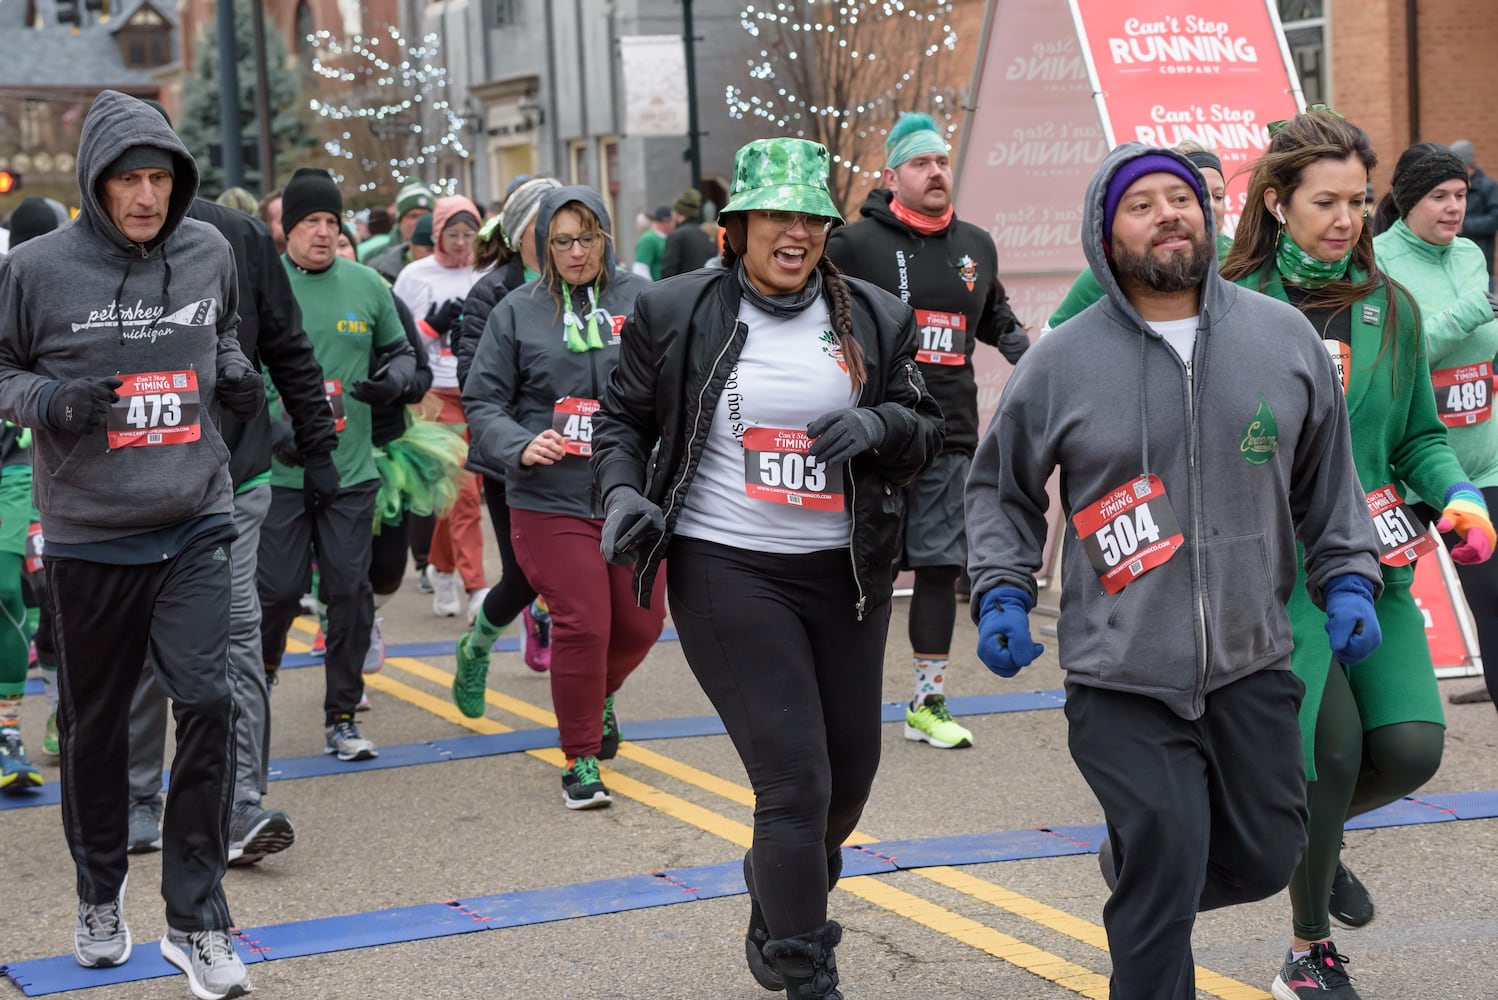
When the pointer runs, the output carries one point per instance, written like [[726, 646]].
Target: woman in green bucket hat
[[756, 435]]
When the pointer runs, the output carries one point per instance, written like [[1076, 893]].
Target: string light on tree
[[396, 118], [827, 71]]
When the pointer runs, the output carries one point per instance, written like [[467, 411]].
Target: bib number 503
[[1121, 537], [792, 471]]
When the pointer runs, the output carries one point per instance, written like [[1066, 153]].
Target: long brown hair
[[736, 225], [549, 276]]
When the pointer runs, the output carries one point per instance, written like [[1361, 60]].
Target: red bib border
[[573, 419], [778, 468], [1128, 532], [155, 408], [1401, 537], [1464, 395], [942, 337]]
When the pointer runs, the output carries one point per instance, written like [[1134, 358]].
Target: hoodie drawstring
[[119, 293]]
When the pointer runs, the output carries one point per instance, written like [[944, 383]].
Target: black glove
[[841, 434], [79, 404], [443, 316], [629, 516], [283, 443], [383, 391], [320, 479], [241, 389]]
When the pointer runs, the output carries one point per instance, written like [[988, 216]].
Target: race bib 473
[[155, 408]]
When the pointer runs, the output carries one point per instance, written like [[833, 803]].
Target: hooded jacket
[[953, 272], [522, 368], [431, 282], [1250, 441], [271, 335], [86, 301], [482, 298]]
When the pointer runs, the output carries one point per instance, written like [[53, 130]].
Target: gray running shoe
[[255, 832], [213, 968], [145, 826], [100, 938], [344, 740]]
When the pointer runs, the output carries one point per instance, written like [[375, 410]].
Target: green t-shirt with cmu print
[[347, 312]]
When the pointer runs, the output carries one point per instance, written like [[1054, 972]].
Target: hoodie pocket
[[1244, 625]]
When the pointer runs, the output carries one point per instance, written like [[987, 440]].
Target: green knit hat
[[782, 175], [414, 195]]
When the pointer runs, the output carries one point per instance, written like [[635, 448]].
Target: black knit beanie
[[1433, 165], [310, 189], [32, 217]]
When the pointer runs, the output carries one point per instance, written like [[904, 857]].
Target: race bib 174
[[155, 408], [943, 337], [779, 468], [1128, 532]]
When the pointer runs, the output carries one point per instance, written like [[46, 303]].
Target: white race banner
[[655, 85]]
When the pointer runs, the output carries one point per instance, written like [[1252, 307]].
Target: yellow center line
[[930, 915]]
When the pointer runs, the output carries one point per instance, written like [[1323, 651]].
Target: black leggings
[[508, 597], [776, 645], [1480, 587], [1356, 772], [387, 556], [933, 610]]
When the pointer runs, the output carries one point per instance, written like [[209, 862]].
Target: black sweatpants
[[107, 619], [776, 645], [387, 556], [507, 598], [341, 534], [1202, 813]]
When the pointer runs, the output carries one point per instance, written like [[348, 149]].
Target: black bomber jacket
[[678, 348]]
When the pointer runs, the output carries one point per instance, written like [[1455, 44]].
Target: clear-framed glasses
[[816, 225], [561, 244]]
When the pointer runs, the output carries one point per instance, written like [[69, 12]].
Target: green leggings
[[13, 640], [1356, 772]]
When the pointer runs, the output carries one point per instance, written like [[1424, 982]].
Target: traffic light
[[9, 181]]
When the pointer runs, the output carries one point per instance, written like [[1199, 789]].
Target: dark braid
[[842, 321]]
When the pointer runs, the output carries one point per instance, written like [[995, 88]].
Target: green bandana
[[1299, 268], [576, 343]]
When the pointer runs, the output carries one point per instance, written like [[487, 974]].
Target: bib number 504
[[1121, 537], [153, 409], [792, 471]]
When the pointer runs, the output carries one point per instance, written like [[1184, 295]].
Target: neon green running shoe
[[50, 746], [582, 785], [933, 723], [468, 682], [609, 748]]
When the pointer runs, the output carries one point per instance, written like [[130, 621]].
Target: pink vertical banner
[[1165, 71]]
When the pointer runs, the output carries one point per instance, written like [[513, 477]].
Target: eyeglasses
[[562, 244], [816, 225]]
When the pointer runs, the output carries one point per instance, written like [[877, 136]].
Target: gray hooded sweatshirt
[[522, 368], [1250, 440], [86, 301]]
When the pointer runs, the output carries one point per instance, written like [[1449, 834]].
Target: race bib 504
[[1128, 532]]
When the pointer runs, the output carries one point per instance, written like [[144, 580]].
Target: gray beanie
[[521, 206], [1464, 151], [141, 158]]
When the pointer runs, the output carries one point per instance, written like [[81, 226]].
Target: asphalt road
[[466, 830]]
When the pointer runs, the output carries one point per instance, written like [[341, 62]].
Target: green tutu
[[421, 471]]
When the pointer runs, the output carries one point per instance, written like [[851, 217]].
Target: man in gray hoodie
[[117, 346], [1200, 430]]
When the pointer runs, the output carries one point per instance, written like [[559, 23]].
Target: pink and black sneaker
[[1318, 975], [535, 641]]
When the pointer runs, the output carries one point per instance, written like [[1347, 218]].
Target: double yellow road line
[[970, 932]]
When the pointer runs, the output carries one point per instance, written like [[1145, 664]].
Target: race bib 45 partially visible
[[573, 419], [1128, 532], [155, 408], [779, 468]]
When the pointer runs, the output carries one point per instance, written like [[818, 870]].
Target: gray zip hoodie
[[522, 368], [1250, 441], [86, 301]]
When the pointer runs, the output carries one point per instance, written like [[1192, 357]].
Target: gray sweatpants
[[246, 675]]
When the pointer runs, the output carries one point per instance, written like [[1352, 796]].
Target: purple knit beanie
[[1126, 175]]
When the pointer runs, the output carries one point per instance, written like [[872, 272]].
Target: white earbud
[[1279, 213]]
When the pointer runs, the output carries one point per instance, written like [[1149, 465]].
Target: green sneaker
[[468, 682], [50, 746], [932, 723], [609, 748], [582, 785]]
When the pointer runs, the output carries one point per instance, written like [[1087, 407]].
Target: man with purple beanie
[[1200, 430]]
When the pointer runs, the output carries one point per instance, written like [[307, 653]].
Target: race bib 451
[[573, 419]]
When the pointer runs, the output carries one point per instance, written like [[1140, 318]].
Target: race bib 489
[[155, 408]]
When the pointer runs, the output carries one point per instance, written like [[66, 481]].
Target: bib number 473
[[156, 409]]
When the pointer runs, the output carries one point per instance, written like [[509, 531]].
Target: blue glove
[[1004, 643], [1351, 623]]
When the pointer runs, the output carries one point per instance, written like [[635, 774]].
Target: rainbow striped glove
[[1467, 515]]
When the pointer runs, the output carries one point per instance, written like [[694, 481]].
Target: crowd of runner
[[756, 423]]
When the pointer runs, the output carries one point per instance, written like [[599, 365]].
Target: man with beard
[[1199, 429], [911, 244]]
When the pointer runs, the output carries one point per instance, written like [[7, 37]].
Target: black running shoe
[[1351, 906]]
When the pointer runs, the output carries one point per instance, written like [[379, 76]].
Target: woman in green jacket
[[1373, 732], [1418, 245]]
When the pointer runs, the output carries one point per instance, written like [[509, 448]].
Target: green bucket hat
[[782, 175]]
